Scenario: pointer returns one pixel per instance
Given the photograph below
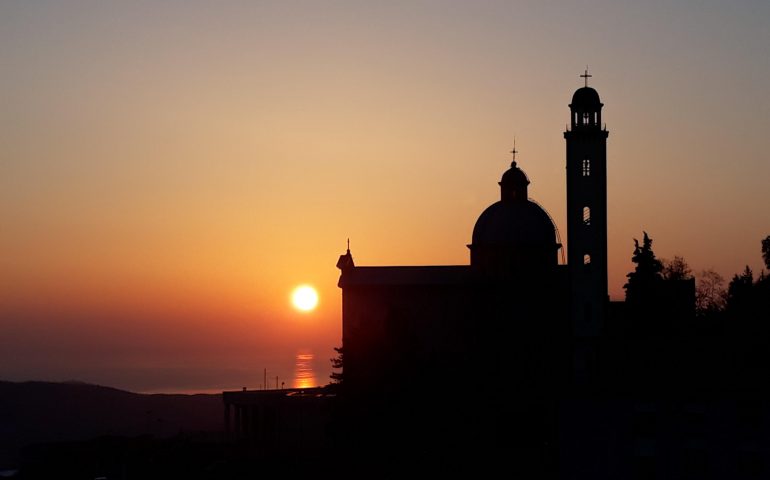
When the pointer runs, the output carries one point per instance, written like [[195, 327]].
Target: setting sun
[[304, 298]]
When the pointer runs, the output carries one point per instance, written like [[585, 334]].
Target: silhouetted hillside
[[32, 412]]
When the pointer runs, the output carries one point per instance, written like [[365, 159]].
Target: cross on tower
[[514, 152], [586, 76]]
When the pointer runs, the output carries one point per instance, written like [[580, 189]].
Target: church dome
[[514, 235], [585, 97], [523, 224], [514, 177]]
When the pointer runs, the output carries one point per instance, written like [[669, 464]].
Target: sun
[[304, 298]]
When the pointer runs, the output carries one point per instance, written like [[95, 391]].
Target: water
[[304, 374]]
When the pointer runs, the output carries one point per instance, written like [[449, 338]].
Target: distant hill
[[33, 412]]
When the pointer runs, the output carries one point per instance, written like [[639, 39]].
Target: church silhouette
[[519, 364], [504, 334]]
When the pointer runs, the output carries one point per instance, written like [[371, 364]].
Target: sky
[[170, 171]]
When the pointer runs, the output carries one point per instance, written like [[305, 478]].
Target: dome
[[514, 224], [514, 177], [585, 97]]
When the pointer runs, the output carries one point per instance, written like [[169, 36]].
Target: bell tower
[[587, 217]]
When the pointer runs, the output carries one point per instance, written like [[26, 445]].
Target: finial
[[514, 152], [586, 76], [348, 246]]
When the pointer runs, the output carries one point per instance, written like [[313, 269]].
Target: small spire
[[513, 153], [346, 261], [586, 76]]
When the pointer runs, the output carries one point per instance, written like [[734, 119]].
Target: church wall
[[395, 336], [511, 335]]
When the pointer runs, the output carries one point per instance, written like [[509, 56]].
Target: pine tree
[[647, 274], [740, 293], [337, 363]]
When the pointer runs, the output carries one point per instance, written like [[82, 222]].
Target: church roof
[[404, 276], [585, 97], [514, 223], [514, 177]]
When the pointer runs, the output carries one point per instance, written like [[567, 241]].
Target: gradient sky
[[170, 170]]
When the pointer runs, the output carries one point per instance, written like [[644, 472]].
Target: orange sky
[[169, 173]]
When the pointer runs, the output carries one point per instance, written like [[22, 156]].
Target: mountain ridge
[[39, 411]]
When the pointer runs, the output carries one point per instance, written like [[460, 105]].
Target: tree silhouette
[[762, 286], [710, 294], [337, 364], [748, 299], [676, 269], [740, 290], [643, 281]]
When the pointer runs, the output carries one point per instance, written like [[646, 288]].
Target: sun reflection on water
[[304, 375]]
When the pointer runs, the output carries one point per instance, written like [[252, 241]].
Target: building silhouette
[[512, 286], [515, 325], [587, 221], [516, 361], [520, 364]]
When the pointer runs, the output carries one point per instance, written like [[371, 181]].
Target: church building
[[518, 363], [506, 333], [430, 316]]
